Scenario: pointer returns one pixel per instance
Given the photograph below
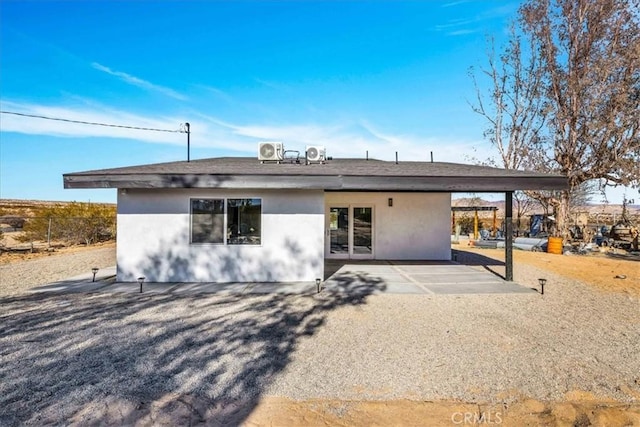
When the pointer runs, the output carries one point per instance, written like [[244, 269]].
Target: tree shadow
[[95, 359]]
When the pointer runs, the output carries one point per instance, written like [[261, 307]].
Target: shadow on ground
[[470, 258], [125, 359], [473, 259]]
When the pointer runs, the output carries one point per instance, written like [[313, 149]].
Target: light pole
[[188, 127]]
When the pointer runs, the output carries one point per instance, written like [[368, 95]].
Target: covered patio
[[415, 277]]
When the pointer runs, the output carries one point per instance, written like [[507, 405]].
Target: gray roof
[[337, 175]]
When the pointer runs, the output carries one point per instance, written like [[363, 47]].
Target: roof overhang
[[318, 182]]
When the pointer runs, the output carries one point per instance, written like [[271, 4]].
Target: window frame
[[226, 237], [243, 237], [191, 218]]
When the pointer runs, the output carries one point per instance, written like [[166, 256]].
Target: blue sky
[[353, 76]]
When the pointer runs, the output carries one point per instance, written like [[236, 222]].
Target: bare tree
[[513, 109], [513, 106], [589, 54]]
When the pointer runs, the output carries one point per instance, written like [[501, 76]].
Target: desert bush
[[74, 223], [13, 221]]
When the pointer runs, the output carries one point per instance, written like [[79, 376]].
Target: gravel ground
[[91, 358], [17, 277]]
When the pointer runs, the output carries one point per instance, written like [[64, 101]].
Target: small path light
[[141, 281], [318, 284], [542, 283], [94, 270]]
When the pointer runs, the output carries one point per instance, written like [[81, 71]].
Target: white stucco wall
[[154, 238], [416, 227]]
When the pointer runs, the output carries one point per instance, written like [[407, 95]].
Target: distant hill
[[30, 208]]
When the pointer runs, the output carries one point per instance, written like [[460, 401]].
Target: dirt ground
[[577, 409], [598, 269], [10, 257]]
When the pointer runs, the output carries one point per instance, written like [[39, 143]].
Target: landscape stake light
[[318, 285], [94, 270], [141, 280], [542, 283]]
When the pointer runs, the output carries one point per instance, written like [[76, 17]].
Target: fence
[[35, 232]]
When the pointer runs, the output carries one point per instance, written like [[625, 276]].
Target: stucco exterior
[[309, 211], [415, 227], [154, 234], [154, 238]]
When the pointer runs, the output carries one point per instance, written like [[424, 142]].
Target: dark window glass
[[207, 221], [244, 220]]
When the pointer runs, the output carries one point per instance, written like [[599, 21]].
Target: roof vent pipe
[[367, 158], [396, 157], [432, 157]]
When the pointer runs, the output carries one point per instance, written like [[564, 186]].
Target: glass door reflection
[[339, 230], [362, 231]]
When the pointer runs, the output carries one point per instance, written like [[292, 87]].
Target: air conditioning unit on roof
[[316, 153], [270, 151]]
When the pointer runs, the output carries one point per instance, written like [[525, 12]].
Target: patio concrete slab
[[426, 269], [209, 288], [478, 288], [134, 287], [388, 277], [432, 278], [436, 279], [281, 288], [404, 288], [80, 283]]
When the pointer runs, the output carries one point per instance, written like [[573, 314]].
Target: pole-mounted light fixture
[[141, 281], [318, 281], [542, 283], [94, 270]]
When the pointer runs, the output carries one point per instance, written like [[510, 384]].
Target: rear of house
[[216, 235], [241, 220]]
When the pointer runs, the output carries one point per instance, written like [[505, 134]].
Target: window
[[242, 221], [207, 221]]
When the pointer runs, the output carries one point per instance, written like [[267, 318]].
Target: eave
[[319, 182]]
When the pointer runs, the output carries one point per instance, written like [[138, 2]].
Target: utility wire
[[181, 130]]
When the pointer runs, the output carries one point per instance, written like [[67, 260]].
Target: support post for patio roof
[[475, 225], [453, 222], [508, 235]]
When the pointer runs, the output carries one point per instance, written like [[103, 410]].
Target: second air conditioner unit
[[316, 153], [270, 151]]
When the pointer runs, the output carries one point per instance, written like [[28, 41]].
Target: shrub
[[14, 221], [74, 223]]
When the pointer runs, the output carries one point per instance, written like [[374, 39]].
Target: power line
[[181, 130]]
